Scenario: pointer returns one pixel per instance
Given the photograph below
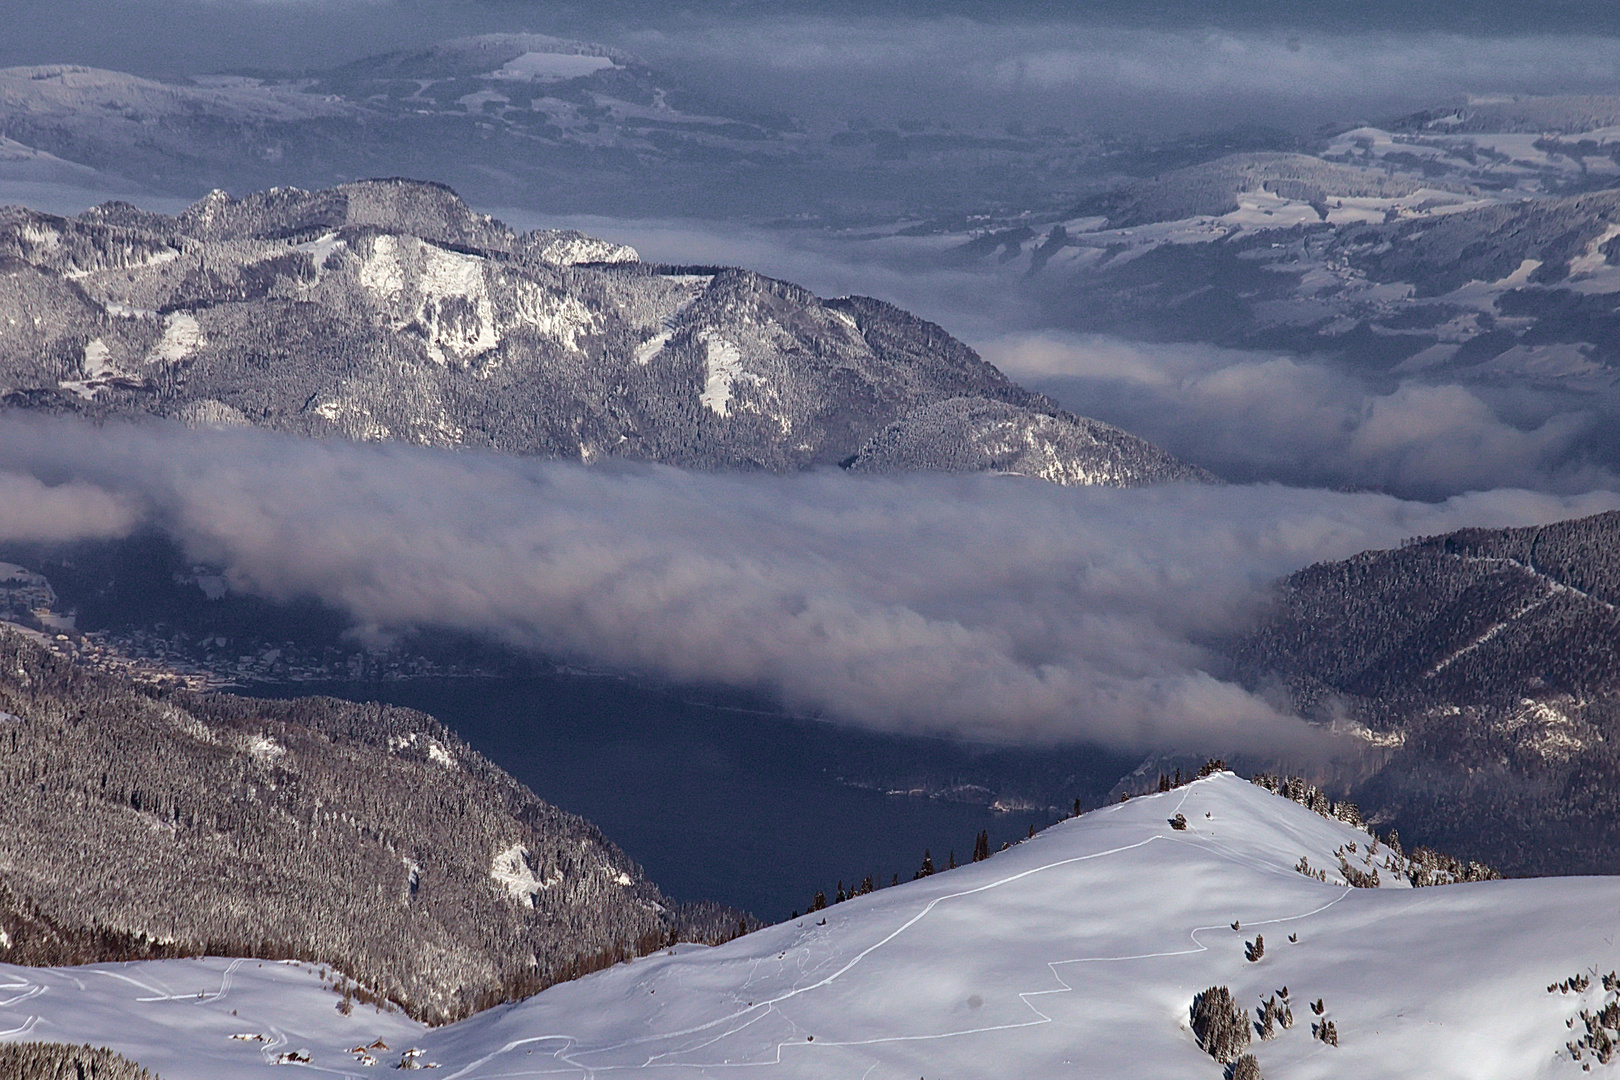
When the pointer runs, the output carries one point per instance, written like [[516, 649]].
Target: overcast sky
[[1118, 64]]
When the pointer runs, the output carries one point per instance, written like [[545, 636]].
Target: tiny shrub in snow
[[1274, 1013], [1602, 1028], [1304, 867]]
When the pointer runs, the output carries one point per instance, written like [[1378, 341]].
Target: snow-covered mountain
[[387, 310], [1079, 952], [136, 824], [508, 119], [1473, 242]]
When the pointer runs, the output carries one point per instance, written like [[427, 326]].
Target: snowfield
[[1076, 953]]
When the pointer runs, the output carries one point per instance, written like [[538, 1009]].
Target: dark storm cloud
[[996, 608]]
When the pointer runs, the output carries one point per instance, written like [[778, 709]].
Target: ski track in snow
[[35, 989], [766, 1008], [31, 992], [25, 1028]]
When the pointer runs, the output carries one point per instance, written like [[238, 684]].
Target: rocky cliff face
[[387, 310]]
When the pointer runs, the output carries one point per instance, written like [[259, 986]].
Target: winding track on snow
[[763, 1009]]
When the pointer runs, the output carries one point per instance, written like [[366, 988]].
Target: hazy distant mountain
[[388, 310], [513, 119], [1484, 670], [134, 824], [1478, 241]]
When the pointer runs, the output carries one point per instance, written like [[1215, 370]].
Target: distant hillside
[[1477, 241], [511, 120], [136, 824], [387, 310], [1486, 666]]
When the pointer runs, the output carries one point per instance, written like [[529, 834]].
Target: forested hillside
[[1484, 666], [137, 824]]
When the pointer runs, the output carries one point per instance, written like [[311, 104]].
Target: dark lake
[[744, 806]]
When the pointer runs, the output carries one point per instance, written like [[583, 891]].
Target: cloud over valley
[[986, 607]]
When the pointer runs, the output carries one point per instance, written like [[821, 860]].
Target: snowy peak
[[1077, 952], [518, 57]]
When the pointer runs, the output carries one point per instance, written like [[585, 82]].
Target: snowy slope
[[1076, 953]]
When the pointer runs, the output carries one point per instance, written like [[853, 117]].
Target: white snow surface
[[650, 348], [723, 369], [551, 66], [181, 337], [511, 871], [1074, 954]]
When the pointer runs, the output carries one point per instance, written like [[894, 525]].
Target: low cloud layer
[[966, 300], [993, 608], [1130, 72], [33, 512], [1253, 416]]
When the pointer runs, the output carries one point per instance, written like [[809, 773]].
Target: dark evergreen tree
[[1221, 1027], [1246, 1067], [58, 1061]]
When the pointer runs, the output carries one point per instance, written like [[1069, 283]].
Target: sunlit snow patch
[[723, 370], [320, 250], [511, 870], [551, 67], [264, 747], [650, 348], [182, 336]]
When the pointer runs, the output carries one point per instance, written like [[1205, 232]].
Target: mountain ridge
[[1085, 947], [388, 310]]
